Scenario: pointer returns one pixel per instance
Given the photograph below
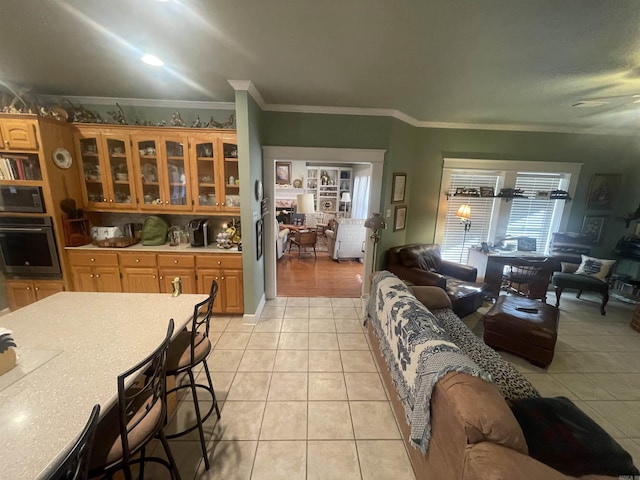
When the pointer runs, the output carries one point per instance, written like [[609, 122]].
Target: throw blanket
[[417, 350]]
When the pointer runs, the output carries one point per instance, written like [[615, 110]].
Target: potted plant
[[7, 354]]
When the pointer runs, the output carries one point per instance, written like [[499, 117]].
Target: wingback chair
[[304, 239]]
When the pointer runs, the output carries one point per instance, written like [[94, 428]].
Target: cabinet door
[[107, 279], [176, 189], [205, 277], [147, 171], [208, 193], [229, 149], [119, 171], [188, 276], [83, 279], [140, 280], [231, 291], [46, 288], [94, 189], [19, 134], [20, 293]]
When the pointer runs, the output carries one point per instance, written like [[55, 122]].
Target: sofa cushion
[[560, 435], [423, 256], [434, 298]]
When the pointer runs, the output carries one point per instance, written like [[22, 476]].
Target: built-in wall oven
[[28, 247]]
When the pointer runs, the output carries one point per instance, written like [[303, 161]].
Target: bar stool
[[188, 350]]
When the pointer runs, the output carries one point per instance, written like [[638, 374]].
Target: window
[[494, 219]]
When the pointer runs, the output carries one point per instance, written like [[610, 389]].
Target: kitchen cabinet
[[18, 134], [216, 173], [21, 293], [172, 266], [139, 272], [107, 169], [95, 271], [162, 171], [227, 271]]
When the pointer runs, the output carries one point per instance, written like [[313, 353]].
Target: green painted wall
[[249, 127]]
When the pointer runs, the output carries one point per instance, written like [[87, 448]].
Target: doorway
[[271, 155]]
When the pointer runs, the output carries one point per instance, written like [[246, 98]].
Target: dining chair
[[75, 465], [528, 277], [125, 431], [304, 239], [189, 349]]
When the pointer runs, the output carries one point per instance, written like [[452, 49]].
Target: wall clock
[[259, 191], [62, 158]]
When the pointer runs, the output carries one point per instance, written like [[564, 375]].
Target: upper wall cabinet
[[107, 169], [18, 134], [162, 170], [215, 176]]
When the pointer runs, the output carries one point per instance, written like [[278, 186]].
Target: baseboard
[[254, 318]]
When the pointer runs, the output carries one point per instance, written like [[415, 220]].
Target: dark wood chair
[[304, 239], [189, 349], [125, 431], [75, 465], [529, 278]]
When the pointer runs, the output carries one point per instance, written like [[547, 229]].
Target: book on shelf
[[13, 168]]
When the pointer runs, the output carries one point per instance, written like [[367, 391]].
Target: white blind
[[481, 215], [530, 217]]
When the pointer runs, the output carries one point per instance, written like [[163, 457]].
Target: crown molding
[[248, 86], [142, 102]]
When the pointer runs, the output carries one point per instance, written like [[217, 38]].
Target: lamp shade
[[375, 222], [346, 197], [305, 203], [464, 212]]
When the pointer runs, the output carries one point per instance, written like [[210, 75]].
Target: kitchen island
[[71, 347]]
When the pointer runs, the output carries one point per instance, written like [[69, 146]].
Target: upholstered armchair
[[346, 238], [304, 239], [282, 240]]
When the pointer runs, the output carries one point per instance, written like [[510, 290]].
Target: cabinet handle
[[175, 261], [137, 260], [111, 200], [154, 276], [97, 275], [219, 262], [216, 278], [93, 259], [28, 288], [104, 199], [221, 278], [6, 142], [217, 204], [223, 204], [37, 288], [91, 276], [161, 277]]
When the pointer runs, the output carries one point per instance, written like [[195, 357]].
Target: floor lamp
[[464, 214], [305, 205], [376, 223]]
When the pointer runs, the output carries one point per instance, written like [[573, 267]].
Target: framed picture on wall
[[400, 218], [283, 173], [602, 191], [593, 225], [399, 184], [259, 238]]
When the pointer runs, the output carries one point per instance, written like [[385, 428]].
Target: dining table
[[71, 348]]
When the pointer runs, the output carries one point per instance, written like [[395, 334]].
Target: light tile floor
[[301, 397]]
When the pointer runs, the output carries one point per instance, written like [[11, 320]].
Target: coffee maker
[[199, 232]]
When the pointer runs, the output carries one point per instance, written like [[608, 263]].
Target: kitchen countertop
[[166, 248], [72, 347]]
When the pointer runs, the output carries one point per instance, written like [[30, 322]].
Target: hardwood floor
[[318, 277]]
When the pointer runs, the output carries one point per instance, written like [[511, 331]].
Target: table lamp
[[346, 199], [376, 223], [464, 214], [305, 205]]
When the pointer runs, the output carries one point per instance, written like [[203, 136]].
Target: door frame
[[374, 157]]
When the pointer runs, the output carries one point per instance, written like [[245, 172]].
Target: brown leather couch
[[474, 434], [422, 264]]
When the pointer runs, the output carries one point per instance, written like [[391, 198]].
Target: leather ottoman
[[524, 327]]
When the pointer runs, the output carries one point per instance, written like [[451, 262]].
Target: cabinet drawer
[[137, 259], [220, 261], [176, 261], [102, 259]]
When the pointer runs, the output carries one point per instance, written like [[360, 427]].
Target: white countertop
[[72, 347], [166, 248]]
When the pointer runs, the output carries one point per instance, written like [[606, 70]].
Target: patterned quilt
[[417, 350]]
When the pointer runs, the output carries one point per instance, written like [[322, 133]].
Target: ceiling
[[520, 63]]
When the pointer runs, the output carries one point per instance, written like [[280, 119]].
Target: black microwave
[[15, 198]]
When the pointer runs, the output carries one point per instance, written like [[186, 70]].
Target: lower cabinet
[[95, 271], [227, 271], [21, 293], [151, 272]]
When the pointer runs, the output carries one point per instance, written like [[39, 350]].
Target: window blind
[[530, 217], [481, 215]]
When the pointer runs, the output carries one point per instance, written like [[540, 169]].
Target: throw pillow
[[569, 267], [595, 267], [560, 435]]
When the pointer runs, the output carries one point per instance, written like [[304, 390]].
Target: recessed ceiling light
[[152, 60]]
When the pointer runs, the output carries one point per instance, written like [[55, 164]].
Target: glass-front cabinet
[[107, 170], [216, 178], [162, 172]]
